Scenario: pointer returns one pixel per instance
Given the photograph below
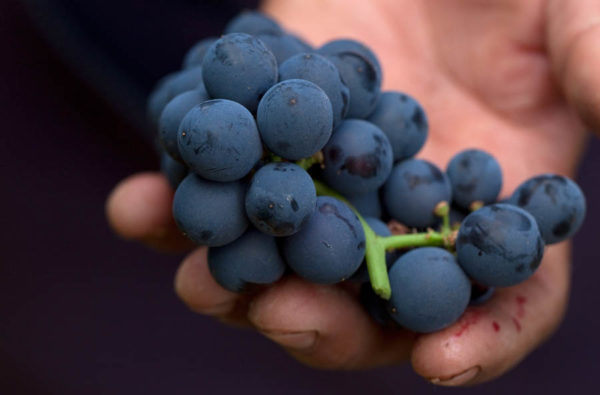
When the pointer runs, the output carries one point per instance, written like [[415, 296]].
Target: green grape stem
[[376, 246]]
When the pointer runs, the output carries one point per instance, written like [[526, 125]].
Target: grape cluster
[[288, 158]]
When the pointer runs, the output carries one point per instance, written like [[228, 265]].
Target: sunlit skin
[[516, 78]]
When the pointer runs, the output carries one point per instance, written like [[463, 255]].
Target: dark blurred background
[[82, 312]]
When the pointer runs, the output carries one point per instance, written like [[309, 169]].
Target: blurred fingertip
[[139, 207]]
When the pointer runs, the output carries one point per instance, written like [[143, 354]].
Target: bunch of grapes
[[287, 158]]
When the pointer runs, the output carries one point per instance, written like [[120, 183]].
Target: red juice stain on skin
[[471, 317], [521, 306], [496, 326], [517, 324]]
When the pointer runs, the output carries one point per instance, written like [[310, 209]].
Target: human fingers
[[489, 340], [139, 208], [196, 287], [573, 33], [323, 326]]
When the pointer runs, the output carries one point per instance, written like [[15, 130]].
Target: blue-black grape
[[295, 119], [363, 79], [403, 121], [239, 67], [173, 170], [358, 158], [252, 258], [171, 117], [556, 202], [283, 45], [170, 86], [320, 71], [499, 245], [367, 204], [412, 191], [429, 290], [195, 55], [329, 247], [280, 199], [210, 213], [252, 22], [336, 47], [475, 176], [219, 140]]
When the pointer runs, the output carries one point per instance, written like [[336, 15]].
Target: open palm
[[511, 77]]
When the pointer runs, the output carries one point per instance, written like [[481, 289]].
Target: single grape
[[170, 86], [329, 247], [363, 79], [475, 176], [556, 202], [320, 71], [283, 45], [295, 119], [171, 117], [367, 204], [252, 22], [358, 158], [412, 191], [280, 199], [403, 121], [173, 170], [499, 245], [336, 47], [210, 213], [195, 55], [252, 258], [239, 67], [219, 140], [429, 290]]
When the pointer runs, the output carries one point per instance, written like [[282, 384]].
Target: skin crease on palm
[[515, 78]]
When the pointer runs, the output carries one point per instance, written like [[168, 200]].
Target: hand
[[511, 77]]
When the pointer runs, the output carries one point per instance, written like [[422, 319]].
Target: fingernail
[[300, 341], [457, 379]]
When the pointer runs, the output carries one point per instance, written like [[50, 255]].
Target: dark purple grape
[[280, 199], [556, 202], [283, 45], [171, 117], [329, 247], [499, 245], [252, 258], [363, 79], [210, 213], [367, 204], [413, 190], [429, 290], [295, 119], [358, 158], [475, 176], [320, 71], [239, 67], [403, 121], [339, 46], [219, 140], [170, 86]]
